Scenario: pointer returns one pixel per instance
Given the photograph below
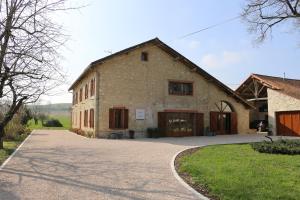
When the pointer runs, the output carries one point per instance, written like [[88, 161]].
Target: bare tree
[[29, 43], [262, 15]]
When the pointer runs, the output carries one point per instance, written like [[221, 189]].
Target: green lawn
[[64, 120], [9, 147], [239, 172]]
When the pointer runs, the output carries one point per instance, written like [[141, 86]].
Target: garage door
[[288, 123]]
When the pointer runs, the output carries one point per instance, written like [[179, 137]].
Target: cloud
[[210, 60], [194, 44], [221, 60]]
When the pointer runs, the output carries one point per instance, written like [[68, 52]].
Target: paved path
[[62, 165]]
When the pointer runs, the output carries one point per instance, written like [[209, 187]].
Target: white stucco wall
[[278, 101]]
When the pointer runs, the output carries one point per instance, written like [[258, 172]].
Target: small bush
[[291, 147], [90, 134], [15, 130], [52, 123], [78, 131]]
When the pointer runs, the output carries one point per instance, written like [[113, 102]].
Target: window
[[144, 56], [86, 91], [92, 87], [76, 98], [80, 123], [118, 118], [181, 88], [86, 116], [73, 101], [80, 95], [91, 118]]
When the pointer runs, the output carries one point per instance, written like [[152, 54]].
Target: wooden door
[[223, 123], [214, 121], [199, 124], [288, 123], [233, 125]]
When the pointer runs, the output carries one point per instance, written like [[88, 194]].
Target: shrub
[[285, 146], [52, 123], [78, 131], [14, 130], [90, 134]]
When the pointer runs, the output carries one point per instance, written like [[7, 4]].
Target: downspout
[[97, 98]]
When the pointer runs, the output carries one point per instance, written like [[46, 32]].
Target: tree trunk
[[1, 143], [1, 137]]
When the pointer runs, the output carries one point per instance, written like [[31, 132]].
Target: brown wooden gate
[[288, 123], [168, 123], [218, 123]]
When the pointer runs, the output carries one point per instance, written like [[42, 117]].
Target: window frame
[[180, 82], [92, 118], [144, 56], [86, 91], [80, 94], [86, 118], [124, 118], [92, 87]]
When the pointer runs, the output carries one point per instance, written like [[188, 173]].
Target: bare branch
[[262, 16]]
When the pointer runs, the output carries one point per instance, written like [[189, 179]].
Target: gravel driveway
[[62, 165]]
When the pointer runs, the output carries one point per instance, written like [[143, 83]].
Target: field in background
[[63, 119], [60, 111]]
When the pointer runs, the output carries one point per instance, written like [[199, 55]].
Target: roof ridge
[[171, 52], [278, 77]]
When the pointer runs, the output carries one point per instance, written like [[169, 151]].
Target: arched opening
[[223, 119]]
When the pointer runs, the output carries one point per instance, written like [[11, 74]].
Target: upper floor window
[[144, 56], [80, 94], [180, 88], [86, 91], [76, 97], [92, 87]]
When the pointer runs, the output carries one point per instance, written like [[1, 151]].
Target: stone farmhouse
[[150, 85], [276, 101]]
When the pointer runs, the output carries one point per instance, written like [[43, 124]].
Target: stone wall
[[126, 81], [278, 101], [85, 104]]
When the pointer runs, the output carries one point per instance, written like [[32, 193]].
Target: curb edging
[[15, 151], [181, 181]]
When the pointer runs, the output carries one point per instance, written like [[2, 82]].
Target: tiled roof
[[287, 86], [290, 87]]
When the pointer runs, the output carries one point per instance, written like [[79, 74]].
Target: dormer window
[[144, 56]]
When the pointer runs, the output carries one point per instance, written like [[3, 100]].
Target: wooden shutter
[[233, 127], [80, 120], [214, 121], [162, 122], [199, 124], [91, 118], [125, 118], [111, 118]]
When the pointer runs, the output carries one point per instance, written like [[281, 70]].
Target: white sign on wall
[[140, 114]]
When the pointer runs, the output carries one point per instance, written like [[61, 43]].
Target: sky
[[228, 52]]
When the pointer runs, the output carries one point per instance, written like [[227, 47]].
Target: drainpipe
[[97, 98]]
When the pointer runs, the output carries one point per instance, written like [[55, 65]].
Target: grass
[[64, 120], [9, 148], [238, 172]]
